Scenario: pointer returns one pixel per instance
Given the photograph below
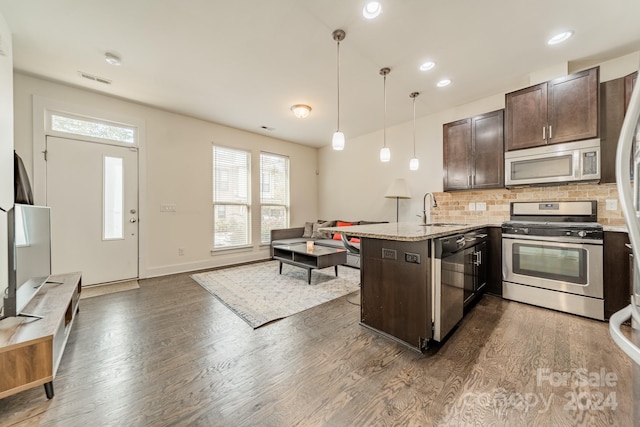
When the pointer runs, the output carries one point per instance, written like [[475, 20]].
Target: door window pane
[[93, 128], [113, 215]]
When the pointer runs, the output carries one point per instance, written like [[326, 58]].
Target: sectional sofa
[[289, 236]]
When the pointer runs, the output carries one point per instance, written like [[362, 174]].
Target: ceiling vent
[[94, 78]]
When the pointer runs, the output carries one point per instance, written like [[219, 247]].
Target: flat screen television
[[29, 256]]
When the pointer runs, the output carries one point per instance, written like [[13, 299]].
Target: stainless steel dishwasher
[[460, 273]]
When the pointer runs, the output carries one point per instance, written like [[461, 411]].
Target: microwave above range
[[553, 164]]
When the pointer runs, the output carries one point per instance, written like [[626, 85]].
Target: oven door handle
[[555, 239]]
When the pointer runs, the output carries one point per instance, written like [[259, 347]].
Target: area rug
[[108, 288], [259, 295]]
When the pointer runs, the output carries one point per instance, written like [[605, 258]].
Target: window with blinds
[[274, 194], [231, 197]]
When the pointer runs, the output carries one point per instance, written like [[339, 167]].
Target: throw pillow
[[338, 236], [321, 234], [308, 229], [354, 240]]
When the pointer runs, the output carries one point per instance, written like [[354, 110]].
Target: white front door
[[92, 190]]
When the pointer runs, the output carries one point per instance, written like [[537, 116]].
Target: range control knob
[[582, 233], [525, 230]]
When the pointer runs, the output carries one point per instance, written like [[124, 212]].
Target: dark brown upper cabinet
[[614, 101], [473, 150], [561, 110]]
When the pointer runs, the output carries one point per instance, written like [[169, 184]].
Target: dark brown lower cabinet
[[395, 289], [616, 272], [494, 283]]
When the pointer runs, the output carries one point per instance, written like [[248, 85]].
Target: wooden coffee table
[[319, 257]]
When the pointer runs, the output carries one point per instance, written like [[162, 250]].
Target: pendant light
[[414, 164], [385, 153], [337, 141]]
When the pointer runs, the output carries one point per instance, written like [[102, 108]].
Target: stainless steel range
[[552, 257]]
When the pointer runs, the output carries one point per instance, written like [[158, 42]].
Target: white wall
[[353, 182], [178, 170], [6, 146]]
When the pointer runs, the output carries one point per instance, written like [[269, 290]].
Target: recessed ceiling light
[[443, 83], [426, 66], [560, 37], [372, 9], [301, 111], [112, 59]]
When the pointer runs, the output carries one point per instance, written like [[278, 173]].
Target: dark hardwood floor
[[170, 354]]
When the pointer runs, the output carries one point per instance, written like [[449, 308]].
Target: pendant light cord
[[384, 133], [414, 127], [338, 55]]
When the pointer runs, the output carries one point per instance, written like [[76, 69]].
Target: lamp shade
[[399, 189], [338, 141]]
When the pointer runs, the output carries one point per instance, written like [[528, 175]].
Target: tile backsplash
[[457, 206]]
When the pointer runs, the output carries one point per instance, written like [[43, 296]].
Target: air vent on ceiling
[[94, 78]]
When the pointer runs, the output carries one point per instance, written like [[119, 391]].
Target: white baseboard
[[203, 265]]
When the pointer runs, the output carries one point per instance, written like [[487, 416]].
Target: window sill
[[231, 249]]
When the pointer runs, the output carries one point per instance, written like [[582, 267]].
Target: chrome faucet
[[426, 213]]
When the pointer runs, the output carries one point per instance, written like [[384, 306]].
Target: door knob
[[133, 220]]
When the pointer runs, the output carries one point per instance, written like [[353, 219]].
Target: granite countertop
[[404, 231]]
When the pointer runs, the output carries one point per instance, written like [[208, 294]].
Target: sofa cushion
[[288, 241], [338, 236], [308, 229], [334, 243], [317, 234]]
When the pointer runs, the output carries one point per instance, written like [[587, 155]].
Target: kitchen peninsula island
[[403, 294]]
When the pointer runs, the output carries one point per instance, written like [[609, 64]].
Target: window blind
[[231, 197], [274, 194]]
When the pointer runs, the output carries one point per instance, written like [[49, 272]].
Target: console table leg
[[280, 267], [309, 276], [336, 270], [48, 389]]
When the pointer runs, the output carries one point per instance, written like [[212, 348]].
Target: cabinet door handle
[[469, 180], [550, 132], [544, 133], [628, 245]]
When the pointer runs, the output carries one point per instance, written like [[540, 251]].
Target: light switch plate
[[611, 205], [168, 207], [481, 206], [472, 206]]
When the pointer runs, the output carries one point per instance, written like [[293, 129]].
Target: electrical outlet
[[168, 207], [412, 258], [389, 253], [180, 251], [611, 205], [472, 206], [481, 206]]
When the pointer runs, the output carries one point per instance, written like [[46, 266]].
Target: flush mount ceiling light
[[414, 164], [301, 111], [560, 37], [426, 66], [443, 83], [372, 9], [112, 59], [337, 142], [385, 153]]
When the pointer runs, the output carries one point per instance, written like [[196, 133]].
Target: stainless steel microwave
[[553, 164]]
